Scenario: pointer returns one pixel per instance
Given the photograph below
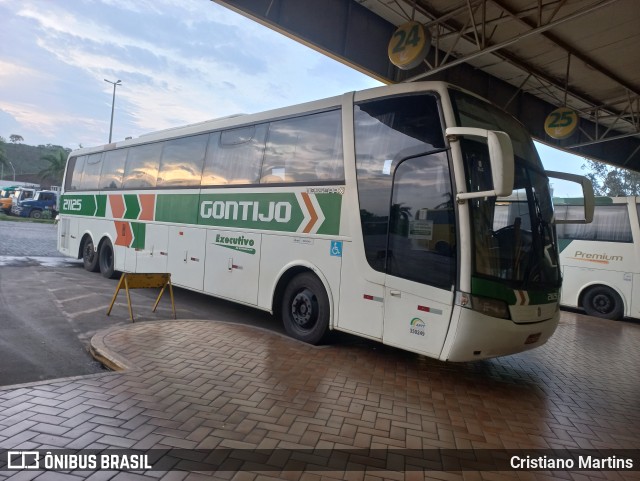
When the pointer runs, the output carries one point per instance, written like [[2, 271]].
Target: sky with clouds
[[180, 62]]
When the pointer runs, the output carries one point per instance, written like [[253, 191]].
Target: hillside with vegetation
[[37, 164]]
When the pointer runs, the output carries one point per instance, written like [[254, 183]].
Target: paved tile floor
[[206, 385]]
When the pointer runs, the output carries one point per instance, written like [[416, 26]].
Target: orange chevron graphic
[[123, 233], [117, 206], [147, 203], [312, 212]]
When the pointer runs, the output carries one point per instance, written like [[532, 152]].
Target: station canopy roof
[[527, 56]]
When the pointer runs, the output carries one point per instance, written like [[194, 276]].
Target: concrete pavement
[[214, 385]]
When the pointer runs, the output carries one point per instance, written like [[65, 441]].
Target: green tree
[[55, 169], [400, 215], [16, 139], [612, 181], [3, 155]]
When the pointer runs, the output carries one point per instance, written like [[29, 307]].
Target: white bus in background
[[601, 260], [370, 213]]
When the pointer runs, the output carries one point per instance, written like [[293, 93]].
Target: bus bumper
[[475, 336]]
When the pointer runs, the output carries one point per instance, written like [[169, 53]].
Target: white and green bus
[[370, 213], [601, 260]]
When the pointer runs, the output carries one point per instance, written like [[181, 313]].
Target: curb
[[115, 362], [105, 356]]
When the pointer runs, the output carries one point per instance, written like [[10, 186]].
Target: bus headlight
[[484, 305]]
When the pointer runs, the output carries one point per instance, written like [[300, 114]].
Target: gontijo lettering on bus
[[303, 212]]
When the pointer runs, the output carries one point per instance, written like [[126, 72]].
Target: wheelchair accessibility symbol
[[336, 248]]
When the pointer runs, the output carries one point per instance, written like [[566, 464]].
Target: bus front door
[[413, 318], [421, 256]]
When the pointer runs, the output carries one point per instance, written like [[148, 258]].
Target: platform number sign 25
[[561, 123], [409, 45]]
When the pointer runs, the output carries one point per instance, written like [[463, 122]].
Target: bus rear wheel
[[604, 302], [90, 256], [106, 260], [305, 308]]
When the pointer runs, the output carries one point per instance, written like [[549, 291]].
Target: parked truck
[[21, 194], [6, 195], [43, 204]]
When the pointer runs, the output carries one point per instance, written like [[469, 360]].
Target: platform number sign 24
[[409, 45]]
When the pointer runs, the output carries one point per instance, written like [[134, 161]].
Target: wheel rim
[[304, 309], [602, 303]]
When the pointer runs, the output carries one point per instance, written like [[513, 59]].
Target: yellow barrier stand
[[143, 281]]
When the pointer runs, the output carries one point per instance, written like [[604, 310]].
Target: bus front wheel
[[604, 302], [106, 260], [305, 308]]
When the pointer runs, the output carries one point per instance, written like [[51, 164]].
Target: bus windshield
[[513, 237]]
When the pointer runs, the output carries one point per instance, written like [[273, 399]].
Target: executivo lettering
[[240, 243], [246, 210], [598, 258]]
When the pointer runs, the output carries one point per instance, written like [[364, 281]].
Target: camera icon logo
[[23, 460]]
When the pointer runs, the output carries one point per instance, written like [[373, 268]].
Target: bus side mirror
[[587, 201], [500, 157]]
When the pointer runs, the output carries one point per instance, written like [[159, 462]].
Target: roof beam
[[574, 53]]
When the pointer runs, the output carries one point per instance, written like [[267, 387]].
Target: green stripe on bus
[[493, 290], [563, 244], [497, 290], [177, 208], [101, 201], [274, 211], [78, 204], [139, 230], [132, 206], [331, 205]]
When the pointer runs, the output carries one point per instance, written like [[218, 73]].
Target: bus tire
[[90, 256], [106, 260], [604, 302], [305, 308]]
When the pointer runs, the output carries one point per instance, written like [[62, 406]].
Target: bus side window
[[74, 173], [304, 149], [78, 170], [182, 161], [141, 168], [113, 169], [91, 174], [234, 156], [610, 224]]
